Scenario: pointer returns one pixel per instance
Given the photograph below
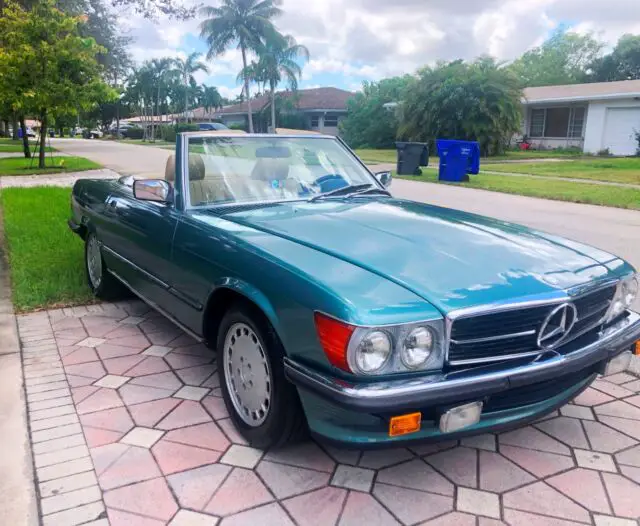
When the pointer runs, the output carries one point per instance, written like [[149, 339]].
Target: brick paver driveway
[[128, 428]]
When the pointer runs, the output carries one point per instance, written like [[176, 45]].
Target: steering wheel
[[330, 182]]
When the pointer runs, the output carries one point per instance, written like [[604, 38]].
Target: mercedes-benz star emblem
[[557, 325]]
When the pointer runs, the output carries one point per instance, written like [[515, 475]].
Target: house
[[321, 109], [592, 117]]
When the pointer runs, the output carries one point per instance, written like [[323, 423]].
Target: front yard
[[61, 164], [11, 146], [605, 195], [618, 170], [45, 257]]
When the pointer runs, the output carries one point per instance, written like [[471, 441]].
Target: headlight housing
[[625, 295], [382, 350]]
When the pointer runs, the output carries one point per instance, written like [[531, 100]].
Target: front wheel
[[103, 284], [263, 405]]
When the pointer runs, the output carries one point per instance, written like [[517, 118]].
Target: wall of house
[[596, 121], [322, 125]]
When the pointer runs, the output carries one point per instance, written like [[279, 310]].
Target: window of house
[[331, 121], [556, 123], [536, 127], [576, 122], [315, 121]]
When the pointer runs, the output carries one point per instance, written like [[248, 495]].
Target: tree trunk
[[246, 87], [14, 126], [186, 100], [25, 139], [273, 107], [43, 139], [6, 127]]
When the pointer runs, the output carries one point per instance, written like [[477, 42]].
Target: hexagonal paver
[[165, 450]]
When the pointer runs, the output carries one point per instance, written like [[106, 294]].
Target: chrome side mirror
[[157, 190], [384, 178]]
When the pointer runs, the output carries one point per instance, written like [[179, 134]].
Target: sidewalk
[[17, 494], [67, 179]]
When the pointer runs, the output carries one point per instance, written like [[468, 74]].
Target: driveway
[[129, 429]]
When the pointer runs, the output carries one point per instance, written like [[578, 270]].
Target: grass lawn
[[45, 257], [22, 166], [10, 146], [619, 170], [158, 144], [551, 189], [371, 156]]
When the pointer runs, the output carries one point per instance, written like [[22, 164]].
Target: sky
[[351, 41]]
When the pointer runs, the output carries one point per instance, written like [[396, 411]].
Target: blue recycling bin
[[457, 159]]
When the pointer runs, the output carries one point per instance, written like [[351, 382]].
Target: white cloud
[[369, 39]]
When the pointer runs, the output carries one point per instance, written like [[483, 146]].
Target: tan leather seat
[[202, 188]]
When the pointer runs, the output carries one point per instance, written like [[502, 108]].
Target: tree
[[160, 73], [211, 98], [457, 100], [369, 124], [564, 58], [246, 24], [623, 63], [59, 71], [277, 60], [186, 68]]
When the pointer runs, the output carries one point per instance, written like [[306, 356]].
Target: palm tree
[[244, 23], [278, 61], [211, 98], [186, 68], [161, 69]]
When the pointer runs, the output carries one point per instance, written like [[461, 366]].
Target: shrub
[[605, 152], [237, 126], [133, 133], [168, 132]]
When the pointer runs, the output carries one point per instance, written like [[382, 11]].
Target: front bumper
[[439, 390]]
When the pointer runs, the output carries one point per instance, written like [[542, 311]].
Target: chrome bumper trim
[[438, 389]]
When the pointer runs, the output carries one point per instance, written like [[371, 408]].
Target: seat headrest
[[196, 168], [267, 169], [170, 169]]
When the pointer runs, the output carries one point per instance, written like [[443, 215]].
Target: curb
[[18, 505]]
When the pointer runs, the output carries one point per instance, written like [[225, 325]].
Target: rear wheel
[[101, 282], [263, 405]]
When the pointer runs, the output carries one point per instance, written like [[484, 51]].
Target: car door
[[140, 238]]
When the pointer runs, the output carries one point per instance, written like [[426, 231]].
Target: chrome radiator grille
[[513, 333]]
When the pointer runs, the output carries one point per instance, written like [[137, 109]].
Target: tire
[[283, 422], [102, 283]]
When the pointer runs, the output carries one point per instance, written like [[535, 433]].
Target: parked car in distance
[[337, 308], [212, 126]]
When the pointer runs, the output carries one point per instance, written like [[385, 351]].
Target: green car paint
[[369, 261]]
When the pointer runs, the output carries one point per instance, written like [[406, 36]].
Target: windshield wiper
[[342, 191], [369, 191]]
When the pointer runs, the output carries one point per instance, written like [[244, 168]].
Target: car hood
[[450, 258]]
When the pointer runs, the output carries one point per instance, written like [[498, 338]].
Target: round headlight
[[373, 352], [417, 347], [629, 291]]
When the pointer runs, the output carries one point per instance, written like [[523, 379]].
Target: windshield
[[267, 169]]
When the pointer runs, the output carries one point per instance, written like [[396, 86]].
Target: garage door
[[619, 130]]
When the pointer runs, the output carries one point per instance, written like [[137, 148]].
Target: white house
[[592, 116]]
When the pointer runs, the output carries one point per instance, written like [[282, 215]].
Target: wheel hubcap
[[94, 262], [247, 374]]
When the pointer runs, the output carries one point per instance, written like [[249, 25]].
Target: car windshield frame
[[369, 176]]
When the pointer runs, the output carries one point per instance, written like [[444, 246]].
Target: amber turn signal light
[[636, 349], [404, 424]]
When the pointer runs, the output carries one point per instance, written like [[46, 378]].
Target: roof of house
[[307, 99], [576, 92]]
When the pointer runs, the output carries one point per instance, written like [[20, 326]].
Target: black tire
[[285, 422], [109, 287]]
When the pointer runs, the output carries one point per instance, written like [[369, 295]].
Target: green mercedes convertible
[[338, 309]]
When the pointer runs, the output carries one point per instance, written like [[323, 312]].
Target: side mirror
[[157, 190], [385, 178]]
